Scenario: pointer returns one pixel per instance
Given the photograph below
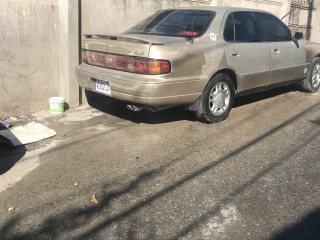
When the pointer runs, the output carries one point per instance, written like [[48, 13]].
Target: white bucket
[[56, 104]]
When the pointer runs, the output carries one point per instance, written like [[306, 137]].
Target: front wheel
[[217, 99], [312, 81]]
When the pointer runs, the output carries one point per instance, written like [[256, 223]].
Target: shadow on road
[[307, 229], [247, 99], [118, 108], [9, 155], [91, 220], [316, 122]]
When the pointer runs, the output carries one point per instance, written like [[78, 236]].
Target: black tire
[[312, 82], [217, 99]]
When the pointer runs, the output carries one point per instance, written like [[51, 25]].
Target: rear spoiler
[[120, 38]]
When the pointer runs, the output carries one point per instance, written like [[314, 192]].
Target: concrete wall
[[315, 26], [116, 16], [37, 43], [277, 7]]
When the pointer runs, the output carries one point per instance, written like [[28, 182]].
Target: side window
[[274, 29], [246, 29], [228, 32]]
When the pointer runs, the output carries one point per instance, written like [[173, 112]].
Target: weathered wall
[[116, 16], [315, 29], [277, 7], [35, 53], [69, 38], [28, 57]]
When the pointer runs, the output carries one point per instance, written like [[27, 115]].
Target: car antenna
[[288, 13]]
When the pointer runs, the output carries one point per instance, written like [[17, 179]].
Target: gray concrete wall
[[116, 16], [38, 45], [277, 7], [315, 30]]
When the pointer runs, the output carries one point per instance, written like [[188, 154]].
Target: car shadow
[[118, 108], [9, 155], [256, 97]]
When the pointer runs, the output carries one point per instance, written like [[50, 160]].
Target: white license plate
[[103, 87]]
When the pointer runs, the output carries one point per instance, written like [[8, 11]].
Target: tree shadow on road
[[91, 220], [316, 122], [306, 229]]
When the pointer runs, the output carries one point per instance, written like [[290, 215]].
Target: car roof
[[218, 9]]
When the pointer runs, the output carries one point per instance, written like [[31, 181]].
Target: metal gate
[[301, 18]]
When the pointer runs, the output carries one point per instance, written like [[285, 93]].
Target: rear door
[[246, 53], [287, 57]]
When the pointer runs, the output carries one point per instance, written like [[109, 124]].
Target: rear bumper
[[147, 90]]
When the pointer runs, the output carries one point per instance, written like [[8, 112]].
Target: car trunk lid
[[126, 44]]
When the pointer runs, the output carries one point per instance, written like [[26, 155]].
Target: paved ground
[[112, 174]]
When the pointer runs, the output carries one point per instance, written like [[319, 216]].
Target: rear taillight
[[126, 63], [84, 56], [151, 66]]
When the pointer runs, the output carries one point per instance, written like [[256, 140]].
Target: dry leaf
[[94, 199], [11, 209]]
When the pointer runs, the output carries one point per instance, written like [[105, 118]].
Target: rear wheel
[[312, 81], [217, 99]]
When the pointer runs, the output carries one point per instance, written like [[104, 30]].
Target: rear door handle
[[235, 54]]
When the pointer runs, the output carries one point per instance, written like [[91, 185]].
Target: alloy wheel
[[219, 98]]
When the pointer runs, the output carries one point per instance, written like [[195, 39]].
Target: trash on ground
[[94, 199], [56, 104], [5, 123], [32, 132], [11, 209]]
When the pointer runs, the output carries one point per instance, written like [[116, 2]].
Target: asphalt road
[[114, 174]]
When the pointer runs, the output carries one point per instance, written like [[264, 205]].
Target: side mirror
[[298, 36]]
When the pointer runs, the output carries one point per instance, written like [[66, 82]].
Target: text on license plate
[[102, 87]]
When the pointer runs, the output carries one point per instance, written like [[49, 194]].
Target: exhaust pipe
[[134, 108]]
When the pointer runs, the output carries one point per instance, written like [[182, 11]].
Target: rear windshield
[[176, 23]]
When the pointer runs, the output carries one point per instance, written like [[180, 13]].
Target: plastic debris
[[32, 132], [5, 123], [11, 209], [13, 119]]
